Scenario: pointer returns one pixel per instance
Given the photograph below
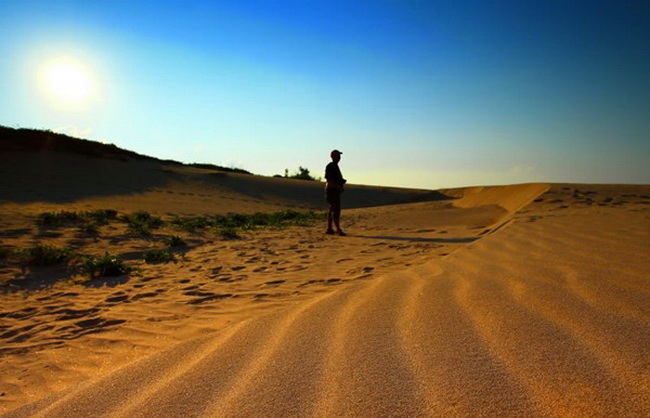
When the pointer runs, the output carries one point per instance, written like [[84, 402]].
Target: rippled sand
[[526, 300]]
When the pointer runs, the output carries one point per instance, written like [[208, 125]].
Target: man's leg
[[336, 214], [330, 212], [330, 219]]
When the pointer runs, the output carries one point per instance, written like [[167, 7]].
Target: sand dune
[[524, 300]]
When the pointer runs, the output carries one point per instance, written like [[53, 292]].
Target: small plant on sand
[[141, 223], [91, 229], [175, 241], [158, 256], [233, 221], [101, 216], [88, 221], [228, 232], [302, 174], [193, 223], [44, 255], [108, 265], [58, 218]]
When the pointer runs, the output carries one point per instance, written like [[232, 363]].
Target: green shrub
[[108, 265], [175, 241], [248, 221], [58, 218], [101, 216], [302, 174], [44, 255], [141, 223], [158, 256], [193, 223], [87, 218], [228, 232], [91, 228]]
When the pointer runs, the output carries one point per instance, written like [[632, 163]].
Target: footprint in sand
[[147, 295], [67, 314], [21, 314], [207, 297], [275, 282], [98, 322], [116, 299]]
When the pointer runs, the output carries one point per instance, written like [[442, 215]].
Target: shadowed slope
[[55, 169]]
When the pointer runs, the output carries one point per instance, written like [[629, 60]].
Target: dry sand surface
[[524, 300]]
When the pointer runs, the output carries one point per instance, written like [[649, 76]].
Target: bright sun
[[67, 81]]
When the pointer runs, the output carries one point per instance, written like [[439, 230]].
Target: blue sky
[[423, 94]]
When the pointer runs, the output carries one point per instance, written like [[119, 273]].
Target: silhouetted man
[[333, 188]]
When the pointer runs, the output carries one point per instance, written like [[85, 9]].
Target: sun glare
[[67, 81]]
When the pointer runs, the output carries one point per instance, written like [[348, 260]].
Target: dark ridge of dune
[[52, 168], [36, 140]]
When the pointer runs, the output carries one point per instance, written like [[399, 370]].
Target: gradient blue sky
[[421, 94]]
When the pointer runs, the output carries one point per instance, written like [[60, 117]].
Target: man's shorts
[[333, 197]]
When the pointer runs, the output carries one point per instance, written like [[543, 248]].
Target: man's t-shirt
[[333, 176]]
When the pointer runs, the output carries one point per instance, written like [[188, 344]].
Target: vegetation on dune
[[158, 256], [64, 217], [141, 223], [302, 174], [88, 221], [228, 232], [175, 241], [248, 221], [59, 218], [90, 265], [219, 168], [44, 255], [106, 266]]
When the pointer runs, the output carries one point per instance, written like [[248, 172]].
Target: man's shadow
[[466, 240]]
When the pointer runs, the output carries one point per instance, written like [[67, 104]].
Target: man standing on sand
[[333, 189]]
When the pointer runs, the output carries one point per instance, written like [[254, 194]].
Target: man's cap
[[335, 152]]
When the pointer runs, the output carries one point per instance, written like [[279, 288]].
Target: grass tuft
[[44, 255], [228, 232], [58, 218], [175, 241], [249, 221], [106, 266], [158, 256], [141, 223]]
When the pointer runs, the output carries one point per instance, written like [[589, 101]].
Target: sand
[[522, 300]]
